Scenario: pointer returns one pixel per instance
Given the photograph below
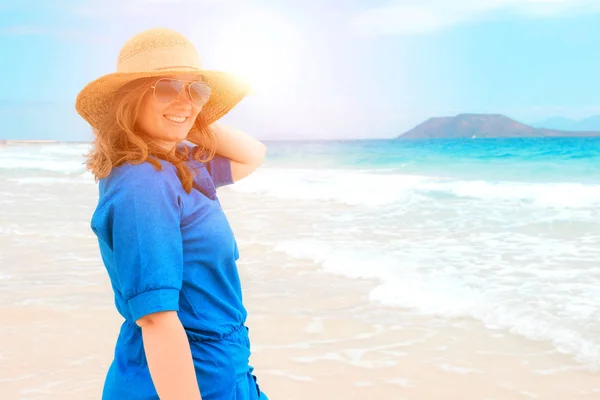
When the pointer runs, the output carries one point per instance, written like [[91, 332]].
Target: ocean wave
[[85, 178], [42, 164], [535, 308], [349, 187], [567, 195], [79, 149], [373, 189], [56, 158]]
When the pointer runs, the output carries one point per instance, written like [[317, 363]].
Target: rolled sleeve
[[153, 300], [147, 244]]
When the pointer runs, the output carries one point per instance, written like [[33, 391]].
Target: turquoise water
[[524, 160]]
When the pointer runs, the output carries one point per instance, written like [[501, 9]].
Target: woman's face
[[166, 122]]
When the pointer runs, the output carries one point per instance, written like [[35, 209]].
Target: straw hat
[[157, 52]]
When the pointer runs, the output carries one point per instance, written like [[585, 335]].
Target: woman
[[167, 246]]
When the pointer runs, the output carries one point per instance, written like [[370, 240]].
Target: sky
[[326, 69]]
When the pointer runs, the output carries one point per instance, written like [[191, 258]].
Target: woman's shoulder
[[145, 169], [140, 176]]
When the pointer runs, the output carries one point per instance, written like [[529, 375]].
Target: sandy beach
[[314, 336], [319, 326]]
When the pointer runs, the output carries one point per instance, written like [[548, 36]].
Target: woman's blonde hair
[[118, 139]]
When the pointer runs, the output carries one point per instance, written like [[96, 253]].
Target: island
[[483, 126]]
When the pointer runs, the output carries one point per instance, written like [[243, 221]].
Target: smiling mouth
[[176, 118]]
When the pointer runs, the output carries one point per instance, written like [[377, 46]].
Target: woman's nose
[[185, 97]]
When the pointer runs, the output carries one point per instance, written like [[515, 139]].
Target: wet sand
[[314, 336]]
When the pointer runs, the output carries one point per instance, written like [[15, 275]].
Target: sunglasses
[[167, 89]]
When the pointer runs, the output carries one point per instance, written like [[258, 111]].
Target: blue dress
[[165, 249]]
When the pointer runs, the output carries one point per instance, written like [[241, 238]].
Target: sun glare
[[264, 49]]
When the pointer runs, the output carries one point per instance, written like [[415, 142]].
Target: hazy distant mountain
[[483, 126], [587, 124]]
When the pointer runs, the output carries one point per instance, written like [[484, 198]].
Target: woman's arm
[[245, 153], [169, 356]]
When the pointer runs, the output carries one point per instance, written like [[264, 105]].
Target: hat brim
[[94, 100]]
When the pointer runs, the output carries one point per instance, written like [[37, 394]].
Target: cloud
[[398, 17]]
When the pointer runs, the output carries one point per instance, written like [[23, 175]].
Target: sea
[[505, 232]]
